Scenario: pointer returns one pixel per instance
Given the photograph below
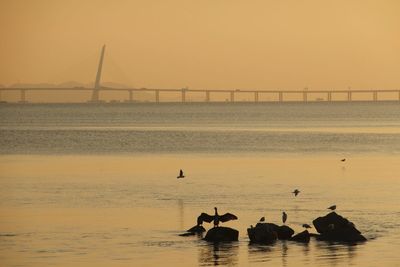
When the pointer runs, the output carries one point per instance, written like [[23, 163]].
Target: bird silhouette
[[204, 217], [180, 174], [343, 160], [307, 226], [262, 219], [296, 192], [284, 217], [332, 207]]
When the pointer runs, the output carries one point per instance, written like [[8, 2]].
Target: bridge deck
[[184, 91]]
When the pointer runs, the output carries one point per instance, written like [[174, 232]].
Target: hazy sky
[[261, 44]]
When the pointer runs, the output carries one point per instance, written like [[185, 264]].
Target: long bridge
[[278, 94]]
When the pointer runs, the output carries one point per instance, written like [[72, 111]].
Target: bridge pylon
[[97, 86]]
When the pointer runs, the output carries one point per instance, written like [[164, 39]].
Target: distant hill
[[67, 84], [31, 85], [115, 85], [47, 96], [71, 84]]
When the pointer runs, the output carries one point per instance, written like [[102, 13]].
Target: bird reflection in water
[[284, 253], [214, 254], [260, 253], [181, 214], [305, 248]]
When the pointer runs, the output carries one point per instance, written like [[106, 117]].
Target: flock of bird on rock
[[332, 227], [216, 218]]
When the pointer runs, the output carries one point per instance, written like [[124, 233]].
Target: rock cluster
[[269, 232], [331, 227], [334, 227]]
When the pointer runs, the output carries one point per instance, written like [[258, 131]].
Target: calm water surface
[[94, 185]]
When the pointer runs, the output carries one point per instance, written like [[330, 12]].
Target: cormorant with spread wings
[[204, 217]]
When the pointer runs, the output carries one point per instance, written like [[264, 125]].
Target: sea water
[[95, 184]]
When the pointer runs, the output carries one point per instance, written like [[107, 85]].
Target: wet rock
[[263, 233], [187, 234], [315, 235], [222, 234], [334, 227], [285, 232], [303, 237], [196, 229]]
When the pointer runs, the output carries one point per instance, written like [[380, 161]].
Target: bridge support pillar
[[22, 96], [305, 96], [329, 97], [207, 96], [349, 96], [375, 96], [157, 94], [280, 96], [232, 96], [130, 96], [255, 96], [183, 95]]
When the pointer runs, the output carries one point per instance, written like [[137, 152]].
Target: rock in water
[[196, 229], [303, 237], [222, 234], [263, 233], [334, 227], [187, 234], [285, 232]]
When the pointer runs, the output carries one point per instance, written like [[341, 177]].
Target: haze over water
[[95, 185]]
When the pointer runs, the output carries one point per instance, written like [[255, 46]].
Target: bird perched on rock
[[284, 217], [332, 207], [204, 217], [296, 192], [262, 219], [307, 226]]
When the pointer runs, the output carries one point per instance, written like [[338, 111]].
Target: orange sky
[[262, 44]]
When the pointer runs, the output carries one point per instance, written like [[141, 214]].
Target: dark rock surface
[[303, 237], [187, 234], [196, 229], [222, 234], [315, 235], [263, 233], [285, 232], [334, 227]]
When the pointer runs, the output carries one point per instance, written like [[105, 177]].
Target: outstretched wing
[[204, 217], [227, 217]]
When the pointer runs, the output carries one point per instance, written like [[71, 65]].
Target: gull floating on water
[[343, 160], [307, 226]]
